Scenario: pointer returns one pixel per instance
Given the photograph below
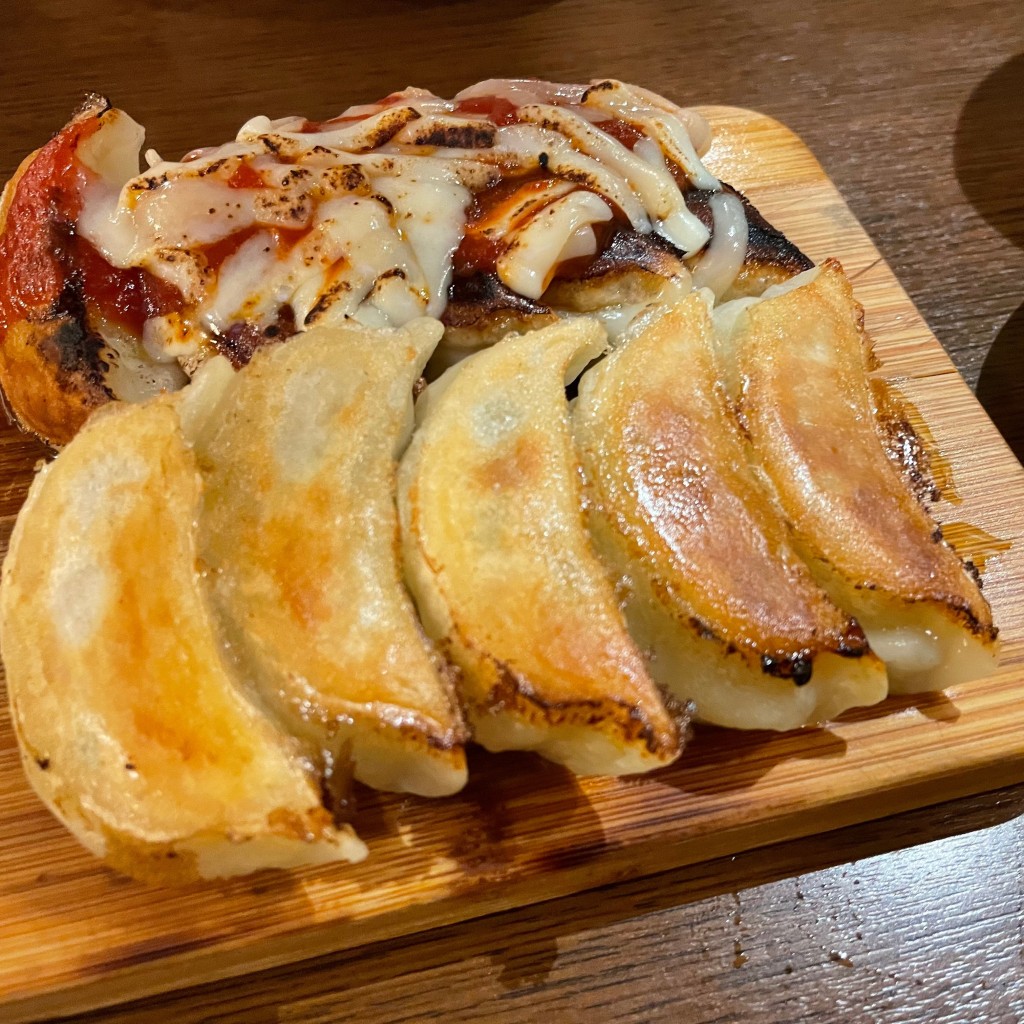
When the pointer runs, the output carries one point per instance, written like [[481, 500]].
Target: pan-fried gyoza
[[298, 536], [798, 358], [730, 612], [132, 727], [251, 577], [498, 558]]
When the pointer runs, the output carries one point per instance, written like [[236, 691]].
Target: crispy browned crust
[[52, 374], [52, 367], [481, 311], [633, 268], [893, 544], [625, 722]]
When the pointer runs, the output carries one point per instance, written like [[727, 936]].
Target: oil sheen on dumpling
[[501, 566], [799, 361], [299, 536], [132, 729], [731, 613]]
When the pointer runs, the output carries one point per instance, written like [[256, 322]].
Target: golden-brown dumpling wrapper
[[799, 360], [131, 727], [731, 613], [299, 534], [500, 563]]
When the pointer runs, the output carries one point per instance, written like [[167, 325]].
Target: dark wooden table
[[916, 110]]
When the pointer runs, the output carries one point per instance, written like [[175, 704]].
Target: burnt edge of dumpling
[[379, 717], [796, 662], [482, 296], [958, 606], [243, 339], [910, 447], [512, 692], [78, 354], [771, 257], [799, 665], [628, 249], [59, 376]]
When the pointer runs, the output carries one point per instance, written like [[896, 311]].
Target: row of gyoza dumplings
[[219, 603]]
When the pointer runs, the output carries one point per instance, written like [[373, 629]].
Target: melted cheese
[[562, 230], [723, 259], [361, 217]]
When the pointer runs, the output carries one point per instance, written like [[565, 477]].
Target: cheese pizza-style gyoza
[[495, 419], [493, 211]]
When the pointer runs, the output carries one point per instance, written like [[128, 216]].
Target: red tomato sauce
[[217, 252], [126, 296], [625, 133], [40, 218], [41, 254], [479, 250], [246, 176], [495, 108]]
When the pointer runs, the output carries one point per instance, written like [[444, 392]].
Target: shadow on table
[[1000, 386], [986, 152], [987, 146]]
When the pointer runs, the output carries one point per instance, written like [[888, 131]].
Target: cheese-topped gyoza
[[298, 534], [132, 726], [499, 561], [731, 614], [798, 362], [499, 209]]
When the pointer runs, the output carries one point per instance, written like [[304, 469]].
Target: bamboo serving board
[[73, 935]]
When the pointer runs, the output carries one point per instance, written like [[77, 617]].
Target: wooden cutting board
[[73, 935]]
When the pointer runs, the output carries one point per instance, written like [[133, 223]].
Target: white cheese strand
[[432, 215], [519, 91], [356, 137], [723, 259], [663, 124], [565, 161], [652, 183], [537, 248], [696, 124]]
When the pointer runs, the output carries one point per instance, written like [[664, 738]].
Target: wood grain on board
[[74, 935]]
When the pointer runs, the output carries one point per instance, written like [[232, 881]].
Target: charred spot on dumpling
[[629, 249], [52, 373], [240, 342], [76, 352], [853, 643], [799, 667], [481, 311], [482, 295], [242, 339]]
